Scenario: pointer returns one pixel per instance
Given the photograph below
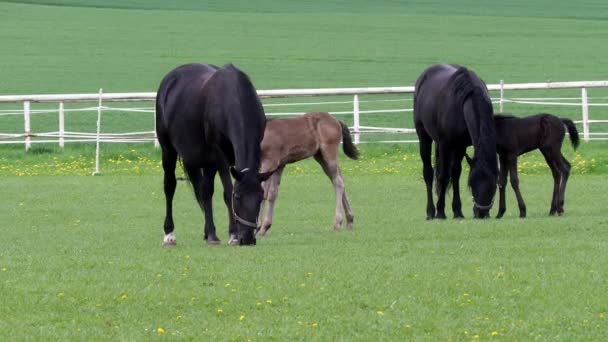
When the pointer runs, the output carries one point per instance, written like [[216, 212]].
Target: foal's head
[[482, 182], [247, 196]]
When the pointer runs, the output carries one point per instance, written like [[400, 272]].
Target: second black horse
[[452, 108]]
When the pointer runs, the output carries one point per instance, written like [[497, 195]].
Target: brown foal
[[289, 140]]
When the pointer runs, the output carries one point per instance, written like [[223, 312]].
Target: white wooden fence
[[61, 136]]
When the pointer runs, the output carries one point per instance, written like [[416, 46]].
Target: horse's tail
[[347, 143], [574, 139]]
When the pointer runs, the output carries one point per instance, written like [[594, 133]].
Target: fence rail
[[62, 136]]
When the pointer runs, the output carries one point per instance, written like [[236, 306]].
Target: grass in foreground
[[81, 258]]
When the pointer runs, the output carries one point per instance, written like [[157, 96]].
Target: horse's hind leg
[[329, 163], [203, 185], [271, 195], [169, 163], [350, 217], [552, 160], [426, 147], [565, 168], [227, 184]]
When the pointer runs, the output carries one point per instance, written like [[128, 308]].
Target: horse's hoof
[[260, 232], [233, 241], [458, 216], [169, 240], [214, 241]]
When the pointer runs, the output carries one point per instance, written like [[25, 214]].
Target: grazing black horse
[[212, 118], [452, 107], [516, 136]]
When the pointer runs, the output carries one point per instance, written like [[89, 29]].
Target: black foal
[[516, 136]]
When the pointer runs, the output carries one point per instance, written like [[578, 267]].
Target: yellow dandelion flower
[[314, 325], [494, 333], [4, 269], [124, 296], [601, 315], [160, 330], [241, 317], [220, 311], [379, 312], [269, 301]]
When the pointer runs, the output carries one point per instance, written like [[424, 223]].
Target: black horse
[[452, 107], [516, 136], [213, 120]]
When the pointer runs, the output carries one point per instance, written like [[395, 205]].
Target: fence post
[[502, 96], [585, 105], [356, 128], [61, 125], [27, 125], [96, 172]]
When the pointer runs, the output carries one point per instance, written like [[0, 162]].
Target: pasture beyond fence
[[361, 125]]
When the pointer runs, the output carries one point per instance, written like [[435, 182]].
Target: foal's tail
[[572, 132], [347, 143]]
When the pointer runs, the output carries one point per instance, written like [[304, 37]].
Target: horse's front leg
[[227, 185], [203, 183]]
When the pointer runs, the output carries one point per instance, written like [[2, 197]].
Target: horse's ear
[[235, 174], [469, 160], [264, 176]]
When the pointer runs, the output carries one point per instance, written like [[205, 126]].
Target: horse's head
[[482, 182], [247, 196]]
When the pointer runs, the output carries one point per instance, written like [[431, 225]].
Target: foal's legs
[[553, 161], [203, 185], [227, 184], [426, 147], [455, 171], [350, 217], [169, 163], [329, 162], [566, 167], [512, 164], [502, 183], [271, 192]]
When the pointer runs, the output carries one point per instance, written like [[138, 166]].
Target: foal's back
[[520, 135], [289, 140]]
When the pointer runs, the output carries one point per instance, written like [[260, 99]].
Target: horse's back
[[180, 111], [432, 102]]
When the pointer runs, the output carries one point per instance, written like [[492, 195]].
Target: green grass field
[[80, 257]]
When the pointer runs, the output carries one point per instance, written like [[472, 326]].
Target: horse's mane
[[465, 87], [244, 99]]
